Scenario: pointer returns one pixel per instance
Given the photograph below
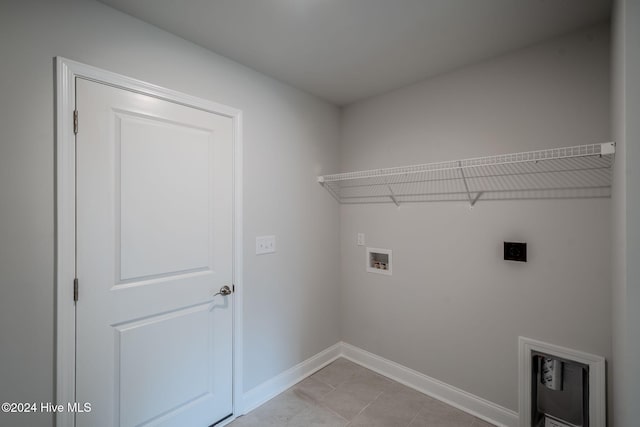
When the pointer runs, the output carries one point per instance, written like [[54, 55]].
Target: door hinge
[[75, 122], [75, 289]]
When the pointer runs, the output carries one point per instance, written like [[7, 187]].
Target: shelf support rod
[[392, 195], [466, 186], [480, 193]]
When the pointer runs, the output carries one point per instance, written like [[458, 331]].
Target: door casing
[[65, 233]]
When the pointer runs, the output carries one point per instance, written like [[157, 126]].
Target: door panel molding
[[65, 233]]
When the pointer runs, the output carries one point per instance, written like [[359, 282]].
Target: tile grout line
[[320, 404], [367, 405], [416, 415], [318, 379], [326, 383], [334, 412]]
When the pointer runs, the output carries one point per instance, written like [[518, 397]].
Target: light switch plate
[[265, 245], [360, 239]]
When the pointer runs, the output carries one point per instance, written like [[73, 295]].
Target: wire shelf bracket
[[582, 171]]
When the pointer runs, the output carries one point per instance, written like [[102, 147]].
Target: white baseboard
[[474, 405], [276, 385]]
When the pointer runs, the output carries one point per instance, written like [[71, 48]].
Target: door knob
[[225, 290]]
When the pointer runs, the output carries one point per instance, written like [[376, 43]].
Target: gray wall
[[453, 309], [291, 307], [626, 214]]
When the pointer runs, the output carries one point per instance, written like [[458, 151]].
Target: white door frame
[[66, 73]]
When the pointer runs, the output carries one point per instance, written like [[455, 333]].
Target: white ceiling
[[347, 50]]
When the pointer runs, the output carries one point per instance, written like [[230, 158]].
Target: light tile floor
[[346, 394]]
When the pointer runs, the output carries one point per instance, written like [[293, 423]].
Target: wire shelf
[[582, 171]]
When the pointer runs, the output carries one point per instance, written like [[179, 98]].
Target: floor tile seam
[[317, 406], [332, 411], [341, 383], [367, 405], [323, 398], [306, 404], [321, 402], [447, 415], [313, 398], [323, 395], [416, 415], [319, 379], [422, 406]]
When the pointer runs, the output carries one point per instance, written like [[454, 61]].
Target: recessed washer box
[[379, 261]]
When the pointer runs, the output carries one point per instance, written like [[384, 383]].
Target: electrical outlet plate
[[265, 245]]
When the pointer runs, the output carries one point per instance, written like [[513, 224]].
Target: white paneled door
[[154, 246]]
